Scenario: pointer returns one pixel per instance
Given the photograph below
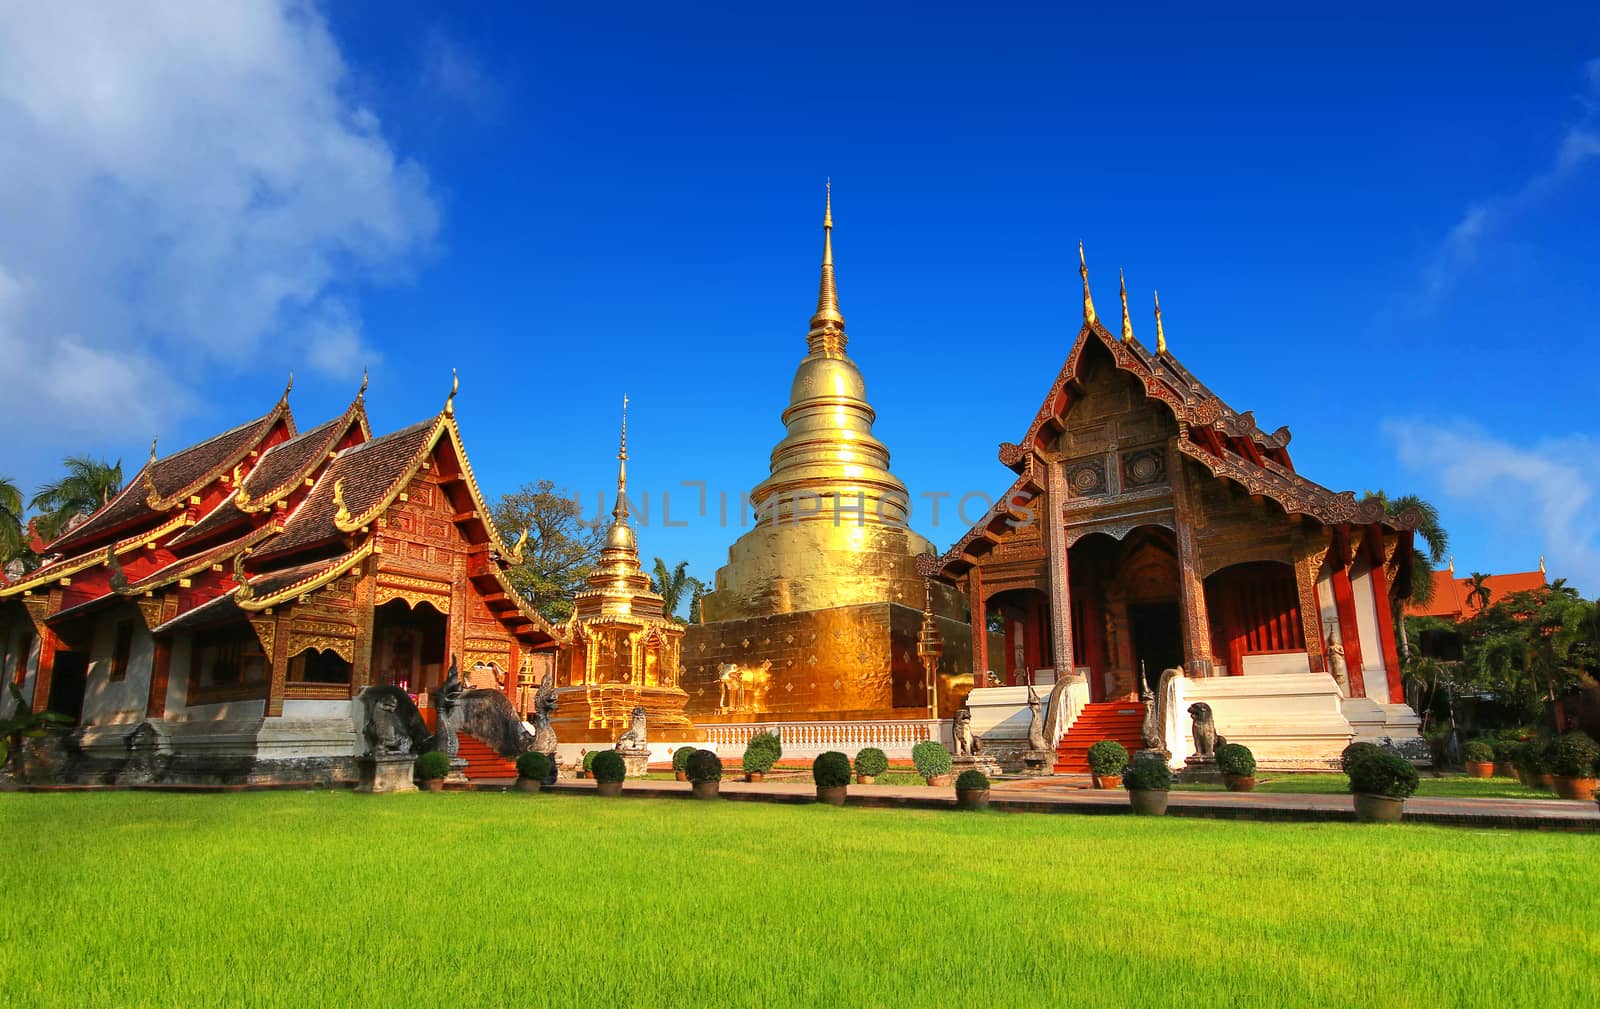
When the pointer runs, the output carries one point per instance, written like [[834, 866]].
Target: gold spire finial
[[287, 389], [362, 394], [455, 387], [1161, 334], [620, 512], [152, 451], [151, 495], [1088, 300], [827, 326], [1127, 323]]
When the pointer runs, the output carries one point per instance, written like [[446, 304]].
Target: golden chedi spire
[[1089, 316], [618, 584], [1127, 323], [827, 334], [1161, 334]]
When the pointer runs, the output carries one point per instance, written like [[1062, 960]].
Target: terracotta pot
[[611, 789], [1480, 770], [1107, 781], [434, 784], [705, 789], [833, 795], [1378, 808], [1504, 769], [972, 798], [681, 775], [1239, 782], [529, 785], [1575, 788], [1545, 781], [866, 779], [1148, 801], [754, 775], [942, 780]]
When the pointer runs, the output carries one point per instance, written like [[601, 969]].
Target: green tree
[[86, 487], [1478, 591], [1415, 586], [13, 533], [561, 551], [673, 584]]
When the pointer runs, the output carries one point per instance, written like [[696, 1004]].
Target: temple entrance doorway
[[1024, 617], [408, 646], [1157, 640], [67, 684]]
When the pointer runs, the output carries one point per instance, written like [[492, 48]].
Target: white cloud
[[1459, 251], [179, 181], [1548, 490]]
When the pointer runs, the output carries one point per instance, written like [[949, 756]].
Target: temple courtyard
[[488, 898]]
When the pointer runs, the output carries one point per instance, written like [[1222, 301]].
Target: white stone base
[[1287, 719], [1001, 712]]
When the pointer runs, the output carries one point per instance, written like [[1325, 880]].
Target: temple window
[[230, 656], [316, 665], [122, 652]]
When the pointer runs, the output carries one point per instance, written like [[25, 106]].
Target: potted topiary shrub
[[1148, 780], [1572, 760], [760, 754], [1107, 758], [586, 762], [432, 768], [532, 769], [1355, 751], [705, 773], [831, 772], [1238, 767], [870, 763], [1381, 783], [680, 762], [1505, 751], [608, 770], [932, 761], [1543, 773], [972, 789], [1479, 756]]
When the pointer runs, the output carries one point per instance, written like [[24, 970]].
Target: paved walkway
[[1051, 795]]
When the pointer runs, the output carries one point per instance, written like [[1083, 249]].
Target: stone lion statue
[[961, 732], [1206, 739], [634, 738]]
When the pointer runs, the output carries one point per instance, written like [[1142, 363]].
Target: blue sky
[[1375, 226]]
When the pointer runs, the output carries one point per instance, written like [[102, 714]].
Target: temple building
[[1453, 597], [622, 649], [1150, 527], [214, 620], [817, 613]]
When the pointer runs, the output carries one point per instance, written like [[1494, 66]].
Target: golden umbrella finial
[[1089, 316], [1161, 334], [1127, 323], [621, 510], [827, 326]]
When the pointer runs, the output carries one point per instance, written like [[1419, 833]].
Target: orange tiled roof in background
[[1450, 592]]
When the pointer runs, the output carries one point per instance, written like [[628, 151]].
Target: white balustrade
[[894, 737]]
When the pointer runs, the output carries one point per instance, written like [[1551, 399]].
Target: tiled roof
[[364, 474], [175, 476], [185, 566], [1451, 593]]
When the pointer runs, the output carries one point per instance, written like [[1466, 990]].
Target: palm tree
[[13, 540], [88, 485], [1478, 590], [1416, 586], [671, 584]]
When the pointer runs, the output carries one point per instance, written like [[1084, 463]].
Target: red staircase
[[482, 762], [1119, 720]]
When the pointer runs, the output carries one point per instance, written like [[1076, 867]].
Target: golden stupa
[[817, 612], [624, 646]]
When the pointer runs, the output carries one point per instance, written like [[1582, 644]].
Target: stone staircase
[[1119, 720], [482, 762]]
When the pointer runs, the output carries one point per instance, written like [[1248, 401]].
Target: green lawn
[[1452, 787], [329, 899]]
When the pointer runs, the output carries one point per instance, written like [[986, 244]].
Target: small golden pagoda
[[624, 646], [815, 615]]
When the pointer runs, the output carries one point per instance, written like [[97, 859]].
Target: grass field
[[328, 899], [1452, 787]]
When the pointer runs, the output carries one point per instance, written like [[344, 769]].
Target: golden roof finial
[[362, 394], [1089, 317], [827, 326], [1127, 323], [341, 515], [151, 494], [240, 579], [1541, 564], [455, 387], [1161, 334], [621, 510], [287, 389]]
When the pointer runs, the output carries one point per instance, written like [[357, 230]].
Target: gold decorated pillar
[[1060, 577], [1197, 657]]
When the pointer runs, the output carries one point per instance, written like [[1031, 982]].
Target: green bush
[[433, 765], [608, 766], [871, 762], [831, 769], [1478, 752], [762, 752], [1236, 760], [1354, 751], [1505, 746], [1573, 755], [703, 765], [1147, 772], [588, 759], [533, 766], [971, 779], [1108, 757], [1382, 774], [680, 758], [931, 758]]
